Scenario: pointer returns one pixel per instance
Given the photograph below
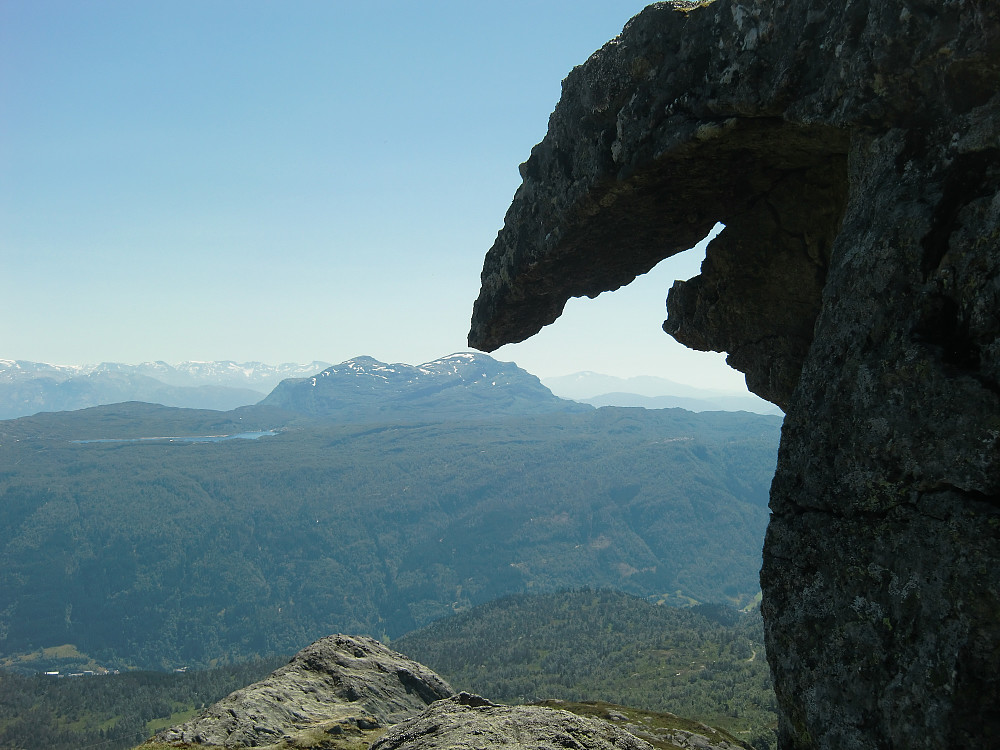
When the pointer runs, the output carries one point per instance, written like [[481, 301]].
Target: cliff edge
[[852, 151]]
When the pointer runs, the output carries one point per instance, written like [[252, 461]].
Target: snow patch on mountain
[[254, 375], [463, 385]]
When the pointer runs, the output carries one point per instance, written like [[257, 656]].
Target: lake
[[187, 439]]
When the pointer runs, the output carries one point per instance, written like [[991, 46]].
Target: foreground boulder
[[469, 721], [340, 686], [853, 152]]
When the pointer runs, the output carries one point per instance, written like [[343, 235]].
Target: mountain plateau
[[464, 385]]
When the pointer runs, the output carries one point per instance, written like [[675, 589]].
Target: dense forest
[[705, 662], [110, 711], [160, 554]]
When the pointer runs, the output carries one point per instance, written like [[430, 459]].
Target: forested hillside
[[162, 554], [705, 663], [111, 711]]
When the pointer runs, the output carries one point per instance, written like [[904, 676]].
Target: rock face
[[338, 684], [853, 152], [468, 721]]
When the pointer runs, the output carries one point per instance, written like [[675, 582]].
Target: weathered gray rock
[[659, 728], [853, 152], [337, 682], [474, 723]]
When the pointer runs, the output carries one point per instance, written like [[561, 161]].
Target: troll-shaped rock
[[852, 150]]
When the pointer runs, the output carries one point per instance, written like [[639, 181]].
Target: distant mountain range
[[31, 387], [459, 386], [652, 392], [345, 390], [256, 376]]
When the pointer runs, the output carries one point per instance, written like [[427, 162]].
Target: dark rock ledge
[[852, 150]]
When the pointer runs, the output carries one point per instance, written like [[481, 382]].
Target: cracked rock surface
[[853, 152], [469, 721]]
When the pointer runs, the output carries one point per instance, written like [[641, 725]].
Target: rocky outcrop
[[348, 692], [469, 721], [852, 151], [337, 687]]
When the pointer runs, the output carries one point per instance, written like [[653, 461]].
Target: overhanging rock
[[853, 152]]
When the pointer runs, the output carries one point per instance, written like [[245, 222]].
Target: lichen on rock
[[852, 151], [470, 721]]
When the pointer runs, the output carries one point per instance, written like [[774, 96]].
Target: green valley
[[169, 554]]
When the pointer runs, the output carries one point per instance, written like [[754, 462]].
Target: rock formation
[[852, 151], [340, 685], [344, 693]]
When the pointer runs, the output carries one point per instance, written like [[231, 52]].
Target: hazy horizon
[[194, 181], [90, 366]]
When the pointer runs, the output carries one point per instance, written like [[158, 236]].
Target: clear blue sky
[[289, 181]]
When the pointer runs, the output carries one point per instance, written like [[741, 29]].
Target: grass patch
[[178, 717], [66, 658]]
